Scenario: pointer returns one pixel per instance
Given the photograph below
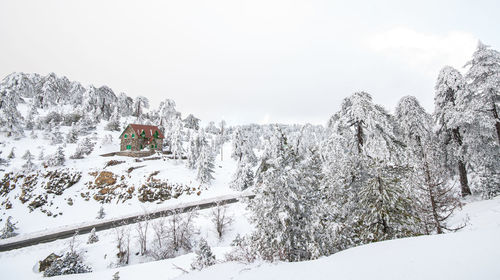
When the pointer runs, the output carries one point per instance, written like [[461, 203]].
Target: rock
[[47, 262], [105, 178]]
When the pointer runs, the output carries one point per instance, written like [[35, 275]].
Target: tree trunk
[[497, 120], [462, 171], [359, 135], [463, 179]]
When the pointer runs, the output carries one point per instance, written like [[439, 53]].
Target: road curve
[[5, 245]]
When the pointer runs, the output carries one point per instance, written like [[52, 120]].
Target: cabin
[[137, 137]]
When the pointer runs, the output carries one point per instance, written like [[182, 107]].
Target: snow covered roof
[[149, 130]]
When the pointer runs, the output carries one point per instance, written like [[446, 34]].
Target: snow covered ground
[[471, 253]]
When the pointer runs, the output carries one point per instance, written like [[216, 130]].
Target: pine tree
[[484, 81], [243, 177], [56, 136], [368, 200], [114, 121], [176, 136], [93, 238], [242, 148], [204, 256], [29, 161], [58, 158], [436, 201], [140, 103], [205, 165], [9, 230], [11, 155], [196, 142], [284, 208], [100, 213], [450, 87], [10, 118]]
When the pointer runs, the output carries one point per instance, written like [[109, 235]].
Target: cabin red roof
[[149, 130]]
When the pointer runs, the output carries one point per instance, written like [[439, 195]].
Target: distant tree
[[204, 256], [72, 135], [100, 213], [10, 118], [192, 122], [205, 165], [84, 148], [29, 160], [122, 240], [93, 238], [11, 154], [58, 158], [197, 141], [176, 139], [125, 105], [243, 178], [140, 103], [242, 148], [114, 121], [9, 230]]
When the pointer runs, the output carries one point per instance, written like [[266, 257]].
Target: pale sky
[[253, 61]]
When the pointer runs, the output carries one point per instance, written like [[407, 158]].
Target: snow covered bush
[[72, 262], [58, 158], [242, 251], [204, 256]]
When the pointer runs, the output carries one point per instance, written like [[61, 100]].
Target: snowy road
[[68, 231]]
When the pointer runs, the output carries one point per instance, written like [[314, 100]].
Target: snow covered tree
[[192, 122], [140, 103], [197, 141], [242, 148], [11, 155], [243, 178], [93, 238], [166, 114], [284, 209], [10, 118], [100, 213], [114, 121], [221, 219], [58, 158], [176, 137], [29, 165], [125, 105], [84, 148], [72, 135], [205, 165], [204, 256], [365, 177], [450, 87], [436, 201], [9, 230], [56, 136], [484, 81]]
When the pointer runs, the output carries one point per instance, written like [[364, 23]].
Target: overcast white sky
[[250, 61]]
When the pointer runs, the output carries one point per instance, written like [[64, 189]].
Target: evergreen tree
[[363, 153], [204, 256], [10, 118], [484, 82], [197, 141], [100, 213], [93, 238], [436, 200], [140, 103], [176, 136], [9, 230], [58, 158], [28, 166], [243, 177], [242, 148], [72, 135], [450, 87], [205, 165], [284, 208], [11, 155], [114, 121]]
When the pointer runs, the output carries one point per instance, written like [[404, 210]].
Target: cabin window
[[156, 146], [152, 146], [141, 146], [125, 136], [133, 135], [129, 147], [143, 134], [156, 134]]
